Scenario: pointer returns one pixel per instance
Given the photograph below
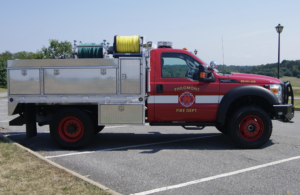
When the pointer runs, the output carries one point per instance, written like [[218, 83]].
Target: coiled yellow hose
[[128, 44]]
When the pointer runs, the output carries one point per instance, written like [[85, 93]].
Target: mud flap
[[19, 121], [30, 119]]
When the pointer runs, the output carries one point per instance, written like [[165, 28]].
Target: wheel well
[[256, 101], [45, 113]]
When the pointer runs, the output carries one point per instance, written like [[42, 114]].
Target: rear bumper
[[284, 112]]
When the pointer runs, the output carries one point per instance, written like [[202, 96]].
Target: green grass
[[23, 173], [296, 92], [295, 81], [2, 90], [297, 103]]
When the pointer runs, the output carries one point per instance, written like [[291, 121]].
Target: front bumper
[[284, 112]]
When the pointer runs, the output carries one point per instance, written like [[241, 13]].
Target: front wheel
[[72, 128], [250, 127]]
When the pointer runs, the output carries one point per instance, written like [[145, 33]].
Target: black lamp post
[[279, 30], [195, 51]]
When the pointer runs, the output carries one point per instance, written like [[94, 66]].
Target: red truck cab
[[241, 105]]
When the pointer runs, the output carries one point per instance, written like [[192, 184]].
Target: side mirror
[[213, 64], [204, 75]]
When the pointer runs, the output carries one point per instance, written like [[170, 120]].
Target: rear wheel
[[250, 127], [71, 128]]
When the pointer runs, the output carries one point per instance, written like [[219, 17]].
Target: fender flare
[[246, 90]]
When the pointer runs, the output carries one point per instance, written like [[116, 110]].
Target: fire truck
[[134, 82]]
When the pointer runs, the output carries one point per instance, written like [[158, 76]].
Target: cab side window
[[178, 65]]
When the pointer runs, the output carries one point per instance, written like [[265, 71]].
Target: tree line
[[289, 68], [56, 49], [63, 49]]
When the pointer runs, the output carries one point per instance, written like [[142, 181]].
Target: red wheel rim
[[70, 129], [251, 128]]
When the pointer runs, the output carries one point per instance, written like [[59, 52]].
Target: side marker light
[[202, 75]]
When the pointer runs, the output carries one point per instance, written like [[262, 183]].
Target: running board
[[193, 128]]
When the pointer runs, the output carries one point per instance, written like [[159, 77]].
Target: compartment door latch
[[56, 72], [103, 71], [24, 72]]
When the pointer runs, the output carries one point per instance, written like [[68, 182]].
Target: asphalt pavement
[[171, 160]]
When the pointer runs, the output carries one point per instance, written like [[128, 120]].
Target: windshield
[[216, 70], [199, 59]]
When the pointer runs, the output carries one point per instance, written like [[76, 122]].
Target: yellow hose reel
[[127, 44]]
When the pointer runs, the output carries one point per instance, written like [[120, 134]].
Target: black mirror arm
[[207, 80]]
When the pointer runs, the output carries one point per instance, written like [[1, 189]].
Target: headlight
[[277, 90]]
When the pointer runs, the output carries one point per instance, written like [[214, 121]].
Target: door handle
[[159, 88]]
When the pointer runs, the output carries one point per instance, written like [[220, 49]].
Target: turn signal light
[[202, 75], [274, 90]]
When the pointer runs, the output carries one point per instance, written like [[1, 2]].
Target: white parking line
[[126, 147], [48, 132], [216, 176]]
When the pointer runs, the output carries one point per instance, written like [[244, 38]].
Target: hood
[[254, 78]]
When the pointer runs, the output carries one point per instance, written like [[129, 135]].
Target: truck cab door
[[178, 97]]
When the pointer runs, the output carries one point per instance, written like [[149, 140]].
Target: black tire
[[223, 129], [250, 127], [98, 129], [72, 128]]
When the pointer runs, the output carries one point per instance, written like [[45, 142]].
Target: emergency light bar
[[164, 44]]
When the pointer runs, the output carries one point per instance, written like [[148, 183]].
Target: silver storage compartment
[[80, 81], [62, 62], [130, 76], [121, 114], [24, 82]]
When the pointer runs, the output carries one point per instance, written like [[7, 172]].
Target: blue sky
[[247, 27]]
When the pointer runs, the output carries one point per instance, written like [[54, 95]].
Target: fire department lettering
[[187, 99], [186, 110], [186, 88]]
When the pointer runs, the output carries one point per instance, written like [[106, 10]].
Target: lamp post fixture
[[279, 30], [195, 51]]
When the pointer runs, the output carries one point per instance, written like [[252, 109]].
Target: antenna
[[223, 54]]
